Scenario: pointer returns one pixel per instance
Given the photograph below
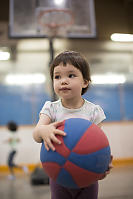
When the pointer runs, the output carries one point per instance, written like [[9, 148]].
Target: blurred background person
[[13, 141]]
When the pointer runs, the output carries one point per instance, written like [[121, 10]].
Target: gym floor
[[118, 185]]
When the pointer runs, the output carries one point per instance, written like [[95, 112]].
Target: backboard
[[24, 18]]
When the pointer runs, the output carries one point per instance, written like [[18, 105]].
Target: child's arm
[[46, 131]]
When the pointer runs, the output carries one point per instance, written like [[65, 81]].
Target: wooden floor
[[118, 185]]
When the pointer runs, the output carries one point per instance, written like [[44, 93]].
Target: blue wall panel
[[23, 103], [128, 101], [107, 96]]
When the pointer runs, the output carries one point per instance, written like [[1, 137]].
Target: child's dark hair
[[12, 126], [77, 60]]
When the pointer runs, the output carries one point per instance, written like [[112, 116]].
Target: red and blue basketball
[[81, 159]]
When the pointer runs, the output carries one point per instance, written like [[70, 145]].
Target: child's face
[[68, 81]]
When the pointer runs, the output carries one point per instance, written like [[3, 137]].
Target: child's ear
[[86, 83]]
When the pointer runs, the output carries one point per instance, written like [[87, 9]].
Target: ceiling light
[[122, 37], [4, 55], [24, 79], [59, 2], [108, 79]]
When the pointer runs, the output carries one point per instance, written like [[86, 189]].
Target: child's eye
[[57, 77], [72, 75]]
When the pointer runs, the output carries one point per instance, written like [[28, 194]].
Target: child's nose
[[64, 81]]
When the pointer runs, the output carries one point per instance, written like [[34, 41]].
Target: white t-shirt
[[13, 143], [57, 112]]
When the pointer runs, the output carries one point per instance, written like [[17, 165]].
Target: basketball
[[81, 159]]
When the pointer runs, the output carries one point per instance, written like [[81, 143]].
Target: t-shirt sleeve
[[47, 109], [98, 115]]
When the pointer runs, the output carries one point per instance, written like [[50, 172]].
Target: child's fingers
[[55, 139], [46, 146], [59, 132], [50, 145]]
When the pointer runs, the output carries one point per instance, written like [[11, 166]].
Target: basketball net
[[55, 22]]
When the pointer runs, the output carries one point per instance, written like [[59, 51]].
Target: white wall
[[28, 149], [120, 136]]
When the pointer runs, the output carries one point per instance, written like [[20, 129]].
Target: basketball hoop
[[55, 22]]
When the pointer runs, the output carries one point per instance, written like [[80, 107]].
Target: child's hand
[[49, 135], [109, 168]]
